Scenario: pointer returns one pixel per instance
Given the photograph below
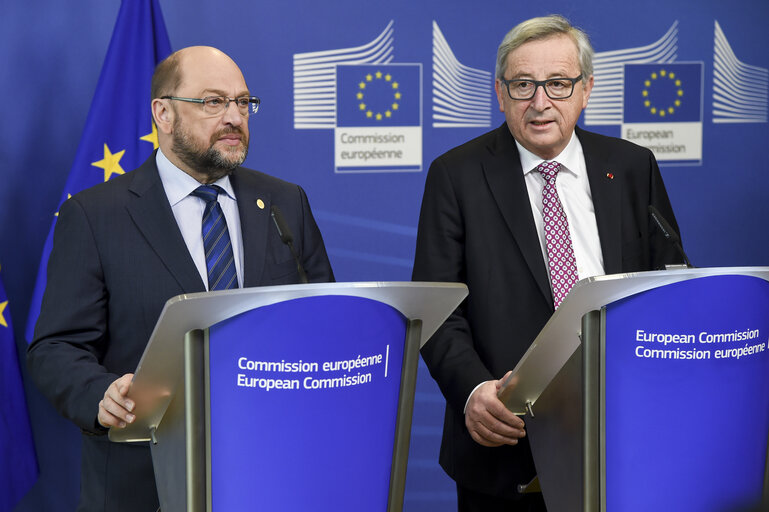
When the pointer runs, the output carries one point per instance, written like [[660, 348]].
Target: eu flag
[[18, 463], [663, 92], [378, 95], [118, 134]]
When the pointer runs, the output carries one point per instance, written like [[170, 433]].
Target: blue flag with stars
[[378, 95], [659, 93], [118, 134], [18, 463]]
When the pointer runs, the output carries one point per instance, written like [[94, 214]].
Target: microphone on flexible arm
[[669, 233], [286, 238]]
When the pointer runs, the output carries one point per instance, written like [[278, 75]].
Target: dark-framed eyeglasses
[[215, 105], [555, 88]]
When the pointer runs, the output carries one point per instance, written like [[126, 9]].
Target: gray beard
[[210, 162]]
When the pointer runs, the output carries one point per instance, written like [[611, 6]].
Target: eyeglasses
[[216, 105], [555, 88]]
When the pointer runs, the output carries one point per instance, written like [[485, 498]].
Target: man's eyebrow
[[219, 92]]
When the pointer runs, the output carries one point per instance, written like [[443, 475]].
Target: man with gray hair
[[520, 214]]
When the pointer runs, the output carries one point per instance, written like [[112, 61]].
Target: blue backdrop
[[290, 52]]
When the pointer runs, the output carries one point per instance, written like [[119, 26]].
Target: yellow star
[[395, 106], [369, 114], [388, 77], [369, 77], [152, 137], [359, 95], [379, 74], [397, 95], [2, 318], [362, 106], [388, 113], [110, 163], [362, 85], [378, 116], [395, 85], [57, 213]]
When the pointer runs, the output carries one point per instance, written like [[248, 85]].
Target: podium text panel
[[687, 396], [303, 406]]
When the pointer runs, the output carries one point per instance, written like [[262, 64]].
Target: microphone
[[669, 233], [285, 236]]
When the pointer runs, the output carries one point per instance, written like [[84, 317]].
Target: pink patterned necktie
[[560, 253]]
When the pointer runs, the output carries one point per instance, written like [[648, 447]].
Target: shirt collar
[[178, 184], [569, 158]]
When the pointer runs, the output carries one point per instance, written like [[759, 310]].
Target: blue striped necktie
[[216, 241]]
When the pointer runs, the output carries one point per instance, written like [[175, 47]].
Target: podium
[[295, 397], [650, 391]]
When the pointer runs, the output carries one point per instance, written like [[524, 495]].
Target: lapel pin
[[260, 204], [610, 175]]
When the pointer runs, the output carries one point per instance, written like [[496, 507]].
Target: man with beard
[[123, 248]]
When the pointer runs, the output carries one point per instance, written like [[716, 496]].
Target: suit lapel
[[150, 211], [254, 210], [605, 188], [502, 168]]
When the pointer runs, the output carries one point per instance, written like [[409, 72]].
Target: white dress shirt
[[574, 192], [188, 212]]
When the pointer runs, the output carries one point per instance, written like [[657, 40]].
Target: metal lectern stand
[[171, 386], [619, 384]]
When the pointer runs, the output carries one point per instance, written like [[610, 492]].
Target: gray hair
[[541, 28]]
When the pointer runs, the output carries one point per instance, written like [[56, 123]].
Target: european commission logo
[[656, 100], [373, 105], [378, 118], [662, 109]]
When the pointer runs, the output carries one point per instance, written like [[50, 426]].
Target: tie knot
[[549, 170], [207, 193]]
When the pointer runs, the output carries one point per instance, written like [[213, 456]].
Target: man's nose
[[540, 101], [232, 114]]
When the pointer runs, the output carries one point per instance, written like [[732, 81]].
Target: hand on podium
[[115, 409], [487, 419]]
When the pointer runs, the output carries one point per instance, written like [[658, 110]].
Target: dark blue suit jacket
[[118, 256], [476, 226]]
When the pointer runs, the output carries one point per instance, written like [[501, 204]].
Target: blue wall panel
[[51, 55]]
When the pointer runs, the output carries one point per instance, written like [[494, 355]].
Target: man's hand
[[487, 419], [115, 409]]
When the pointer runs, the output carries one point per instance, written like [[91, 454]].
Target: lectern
[[286, 398], [650, 391]]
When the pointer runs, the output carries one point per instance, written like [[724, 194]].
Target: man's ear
[[163, 115]]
